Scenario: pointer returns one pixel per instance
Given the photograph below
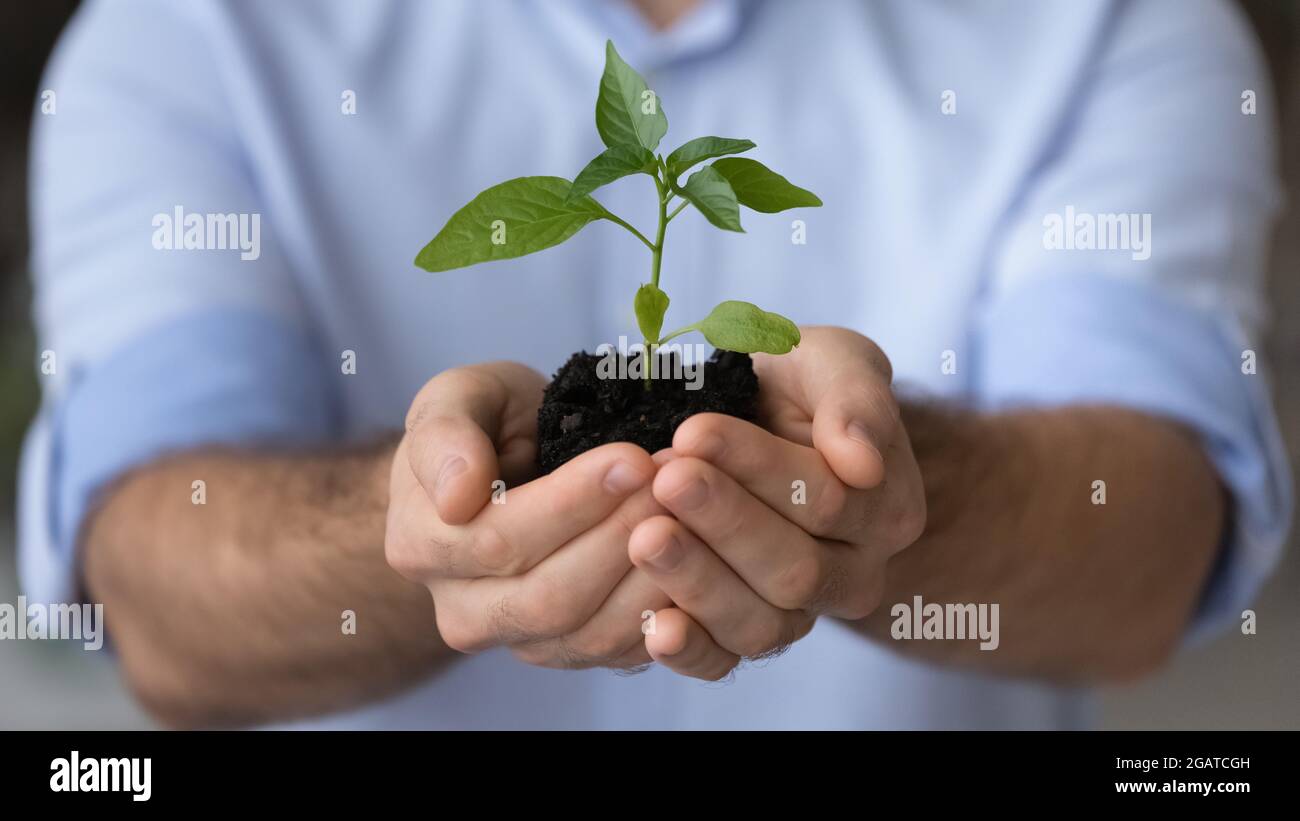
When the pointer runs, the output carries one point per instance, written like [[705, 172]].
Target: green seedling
[[529, 214]]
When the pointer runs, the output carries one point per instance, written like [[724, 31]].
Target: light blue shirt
[[941, 136]]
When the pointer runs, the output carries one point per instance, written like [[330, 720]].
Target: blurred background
[[1234, 682]]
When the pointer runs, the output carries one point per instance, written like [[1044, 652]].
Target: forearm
[[232, 611], [1085, 591]]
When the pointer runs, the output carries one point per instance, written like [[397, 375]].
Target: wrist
[[955, 449]]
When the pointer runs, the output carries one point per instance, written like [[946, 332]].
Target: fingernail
[[622, 478], [693, 495], [858, 433], [451, 468], [667, 557]]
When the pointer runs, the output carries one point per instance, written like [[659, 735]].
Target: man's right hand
[[542, 569]]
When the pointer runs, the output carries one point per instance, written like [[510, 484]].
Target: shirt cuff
[[228, 378], [1099, 340]]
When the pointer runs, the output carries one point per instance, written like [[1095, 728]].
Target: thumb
[[852, 429], [841, 381], [451, 430]]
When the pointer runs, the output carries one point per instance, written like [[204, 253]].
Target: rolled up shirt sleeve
[[148, 350], [1170, 322], [235, 379], [1089, 340]]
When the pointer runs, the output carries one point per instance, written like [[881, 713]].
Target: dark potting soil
[[581, 410]]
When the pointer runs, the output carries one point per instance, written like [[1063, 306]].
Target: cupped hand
[[536, 564], [772, 526]]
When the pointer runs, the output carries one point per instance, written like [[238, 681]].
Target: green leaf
[[651, 304], [747, 328], [761, 188], [701, 149], [710, 192], [612, 164], [509, 220], [627, 112]]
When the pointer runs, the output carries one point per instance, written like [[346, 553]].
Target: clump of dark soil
[[581, 410]]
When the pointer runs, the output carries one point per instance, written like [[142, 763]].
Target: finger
[[634, 661], [461, 420], [840, 380], [793, 480], [776, 558], [701, 584], [556, 597], [455, 464], [613, 634], [853, 423], [683, 646], [533, 520]]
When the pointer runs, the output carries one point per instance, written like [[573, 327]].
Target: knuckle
[[570, 657], [506, 622], [728, 523], [415, 413], [693, 588], [907, 514], [870, 352], [424, 402], [449, 383], [458, 380], [879, 361], [860, 602], [833, 588], [721, 670], [493, 550], [397, 555], [763, 638], [535, 654], [548, 653], [729, 527], [862, 597], [800, 584], [827, 508], [910, 524], [600, 648], [456, 632], [405, 553], [544, 613]]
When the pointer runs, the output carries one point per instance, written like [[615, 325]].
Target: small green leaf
[[651, 304], [710, 192], [509, 220], [701, 149], [761, 188], [747, 328], [627, 111], [612, 164]]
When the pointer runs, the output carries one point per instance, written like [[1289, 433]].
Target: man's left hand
[[773, 526]]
